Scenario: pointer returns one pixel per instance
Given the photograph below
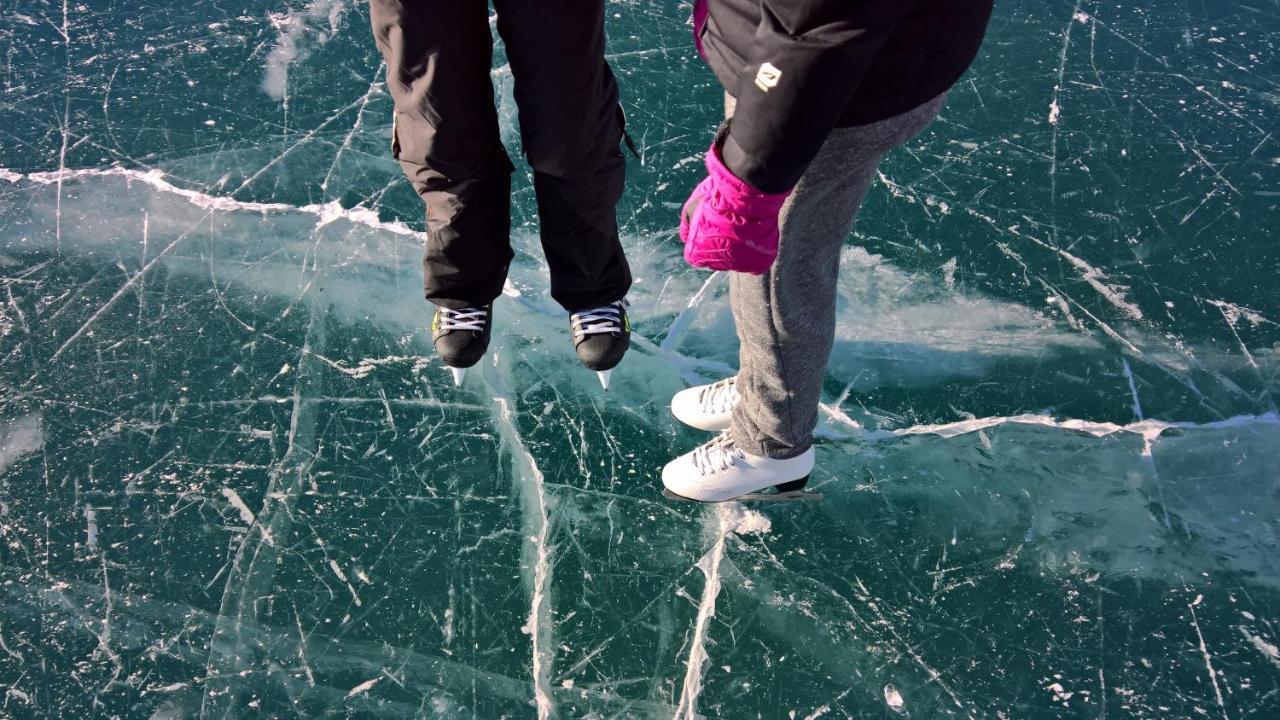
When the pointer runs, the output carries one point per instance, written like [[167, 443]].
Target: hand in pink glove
[[728, 225]]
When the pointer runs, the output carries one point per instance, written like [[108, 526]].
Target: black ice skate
[[601, 337], [461, 337]]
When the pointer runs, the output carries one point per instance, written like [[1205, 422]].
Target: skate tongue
[[604, 376], [459, 374]]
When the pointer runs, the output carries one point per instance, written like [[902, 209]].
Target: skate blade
[[604, 376], [789, 496], [459, 374]]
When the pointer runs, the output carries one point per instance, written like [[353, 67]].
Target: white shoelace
[[716, 455], [607, 319], [464, 319], [720, 396]]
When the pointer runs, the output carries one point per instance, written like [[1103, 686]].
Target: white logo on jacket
[[768, 76]]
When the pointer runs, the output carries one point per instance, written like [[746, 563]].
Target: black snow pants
[[439, 55]]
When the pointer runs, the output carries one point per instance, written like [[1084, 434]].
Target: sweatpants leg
[[570, 127], [786, 318], [438, 55]]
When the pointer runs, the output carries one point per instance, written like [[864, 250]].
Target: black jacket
[[799, 68]]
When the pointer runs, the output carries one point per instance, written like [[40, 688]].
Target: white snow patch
[[893, 698], [1233, 313], [1054, 111], [91, 527], [294, 28], [363, 687], [737, 518], [172, 687], [246, 514], [238, 503], [1060, 694], [22, 437], [949, 273], [337, 570], [1270, 651]]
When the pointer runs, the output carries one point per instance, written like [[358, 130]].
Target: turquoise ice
[[235, 481]]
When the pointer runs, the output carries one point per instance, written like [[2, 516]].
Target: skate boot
[[707, 407], [719, 470], [461, 337], [601, 337]]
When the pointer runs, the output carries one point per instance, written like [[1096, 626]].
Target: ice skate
[[707, 407], [719, 470], [461, 337], [601, 337]]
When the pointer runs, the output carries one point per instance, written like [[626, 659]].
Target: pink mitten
[[728, 225]]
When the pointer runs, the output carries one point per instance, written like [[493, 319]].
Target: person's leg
[[570, 126], [786, 317], [438, 55]]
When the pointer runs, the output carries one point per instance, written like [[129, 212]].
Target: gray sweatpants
[[786, 317]]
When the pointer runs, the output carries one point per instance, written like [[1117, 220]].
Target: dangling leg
[[786, 317], [786, 325], [445, 135], [571, 126]]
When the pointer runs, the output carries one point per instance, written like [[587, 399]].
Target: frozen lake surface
[[236, 482]]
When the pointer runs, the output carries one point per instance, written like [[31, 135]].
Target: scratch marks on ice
[[721, 520], [536, 528], [253, 565]]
